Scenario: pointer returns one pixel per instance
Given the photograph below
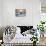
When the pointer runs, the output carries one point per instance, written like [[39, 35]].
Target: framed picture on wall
[[20, 12]]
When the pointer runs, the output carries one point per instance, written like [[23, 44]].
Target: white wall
[[32, 12], [36, 12], [0, 12]]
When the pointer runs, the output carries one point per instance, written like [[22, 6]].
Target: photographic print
[[20, 12]]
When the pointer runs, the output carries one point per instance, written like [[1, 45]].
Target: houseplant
[[41, 27], [34, 39]]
